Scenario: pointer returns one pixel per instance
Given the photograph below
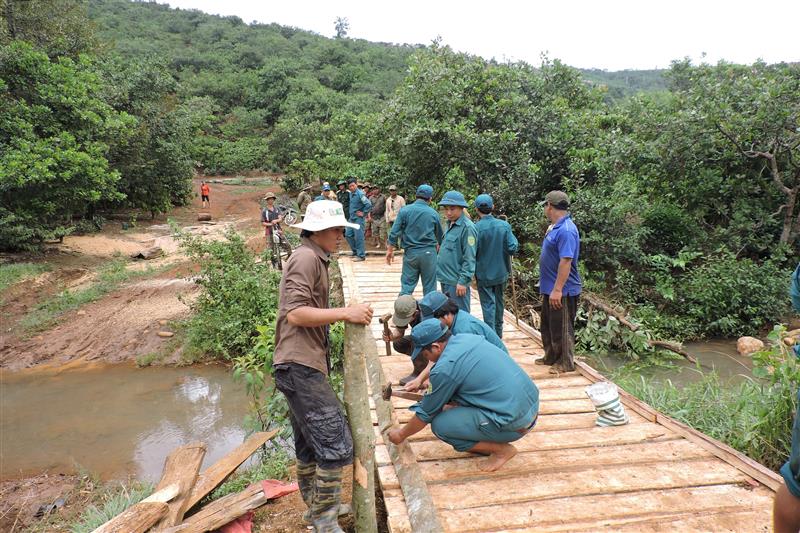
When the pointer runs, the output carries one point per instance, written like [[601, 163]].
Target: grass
[[113, 500], [13, 272], [109, 277], [754, 418]]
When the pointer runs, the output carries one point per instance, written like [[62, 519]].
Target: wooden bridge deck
[[654, 474]]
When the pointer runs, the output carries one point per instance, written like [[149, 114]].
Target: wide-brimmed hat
[[392, 187], [269, 195], [453, 198], [307, 187], [324, 214]]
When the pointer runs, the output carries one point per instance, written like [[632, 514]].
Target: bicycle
[[280, 248]]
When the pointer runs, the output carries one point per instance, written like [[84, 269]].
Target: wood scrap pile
[[171, 508]]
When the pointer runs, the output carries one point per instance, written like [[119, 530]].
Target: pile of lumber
[[182, 486]]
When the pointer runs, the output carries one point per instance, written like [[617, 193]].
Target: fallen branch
[[595, 301]]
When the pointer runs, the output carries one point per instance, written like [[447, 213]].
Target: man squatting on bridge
[[323, 443], [480, 399]]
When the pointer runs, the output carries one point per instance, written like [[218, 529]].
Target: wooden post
[[356, 400]]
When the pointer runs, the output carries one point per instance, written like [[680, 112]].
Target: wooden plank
[[181, 467], [576, 460], [721, 450], [213, 476], [396, 512], [558, 422], [563, 513], [562, 484], [550, 440], [706, 520], [222, 511]]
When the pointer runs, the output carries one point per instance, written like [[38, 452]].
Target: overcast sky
[[613, 35]]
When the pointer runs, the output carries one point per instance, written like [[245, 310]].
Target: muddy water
[[713, 355], [115, 420]]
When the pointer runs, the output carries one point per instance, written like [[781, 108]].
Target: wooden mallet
[[385, 321]]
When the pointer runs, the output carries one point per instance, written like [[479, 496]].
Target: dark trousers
[[558, 332], [321, 433]]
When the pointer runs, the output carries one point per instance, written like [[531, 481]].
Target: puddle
[[115, 420]]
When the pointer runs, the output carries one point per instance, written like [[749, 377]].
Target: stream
[[718, 355], [115, 420]]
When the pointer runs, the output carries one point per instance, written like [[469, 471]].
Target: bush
[[238, 295], [727, 296]]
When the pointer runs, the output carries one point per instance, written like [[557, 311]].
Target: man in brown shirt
[[323, 444]]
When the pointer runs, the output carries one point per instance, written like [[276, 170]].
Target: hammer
[[388, 392], [385, 321]]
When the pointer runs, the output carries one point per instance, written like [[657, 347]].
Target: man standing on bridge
[[323, 444], [421, 232], [560, 284], [496, 245], [480, 399], [456, 263], [359, 207]]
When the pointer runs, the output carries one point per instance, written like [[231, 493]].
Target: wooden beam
[[213, 476], [181, 467], [222, 511]]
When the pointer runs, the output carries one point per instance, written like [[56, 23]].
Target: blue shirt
[[464, 322], [418, 226], [359, 202], [495, 241], [456, 262], [471, 372], [561, 242]]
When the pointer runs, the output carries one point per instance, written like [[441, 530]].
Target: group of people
[[480, 400]]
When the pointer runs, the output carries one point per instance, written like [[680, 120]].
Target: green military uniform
[[496, 245], [418, 228], [456, 262], [496, 399]]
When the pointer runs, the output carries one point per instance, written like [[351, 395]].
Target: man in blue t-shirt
[[560, 284]]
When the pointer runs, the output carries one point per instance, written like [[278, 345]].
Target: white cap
[[324, 214]]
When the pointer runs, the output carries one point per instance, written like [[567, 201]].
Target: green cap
[[557, 199], [404, 308]]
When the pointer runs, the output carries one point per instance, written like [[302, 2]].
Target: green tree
[[55, 133]]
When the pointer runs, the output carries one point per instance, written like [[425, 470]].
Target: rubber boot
[[328, 496], [306, 474], [419, 365]]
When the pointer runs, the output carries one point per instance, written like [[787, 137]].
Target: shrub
[[238, 295]]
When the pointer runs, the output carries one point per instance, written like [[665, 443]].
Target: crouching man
[[323, 444], [480, 399]]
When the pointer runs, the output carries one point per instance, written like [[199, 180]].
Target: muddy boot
[[419, 365], [328, 495]]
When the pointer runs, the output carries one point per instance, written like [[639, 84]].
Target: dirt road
[[124, 323]]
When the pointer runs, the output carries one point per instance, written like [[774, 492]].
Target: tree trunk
[[356, 399]]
